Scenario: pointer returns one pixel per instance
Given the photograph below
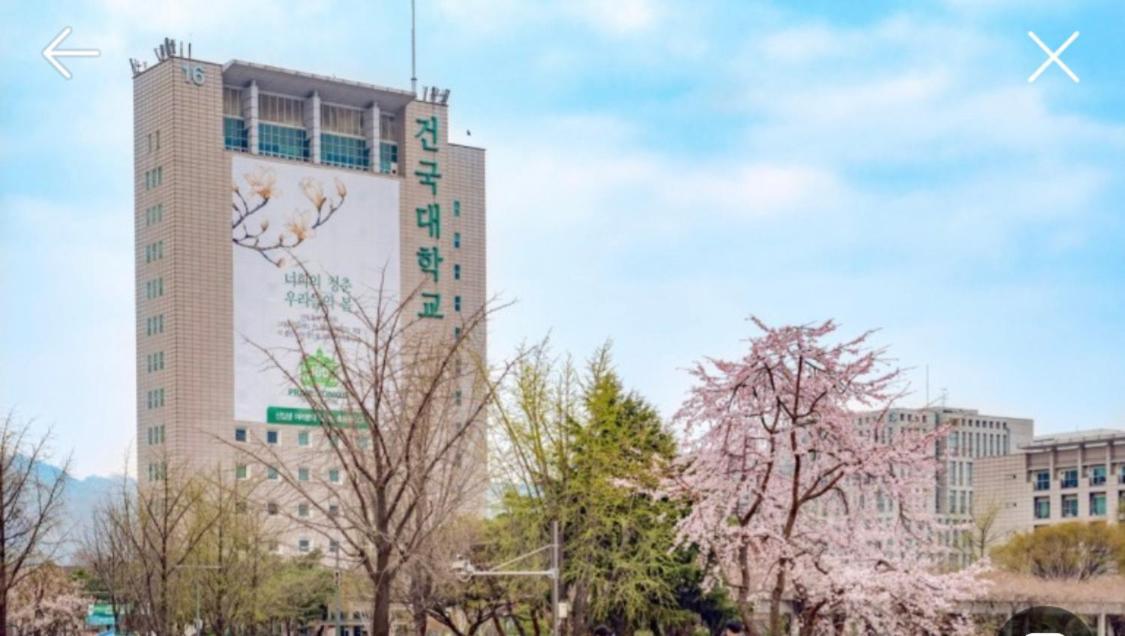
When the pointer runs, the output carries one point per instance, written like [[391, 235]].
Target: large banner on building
[[343, 226]]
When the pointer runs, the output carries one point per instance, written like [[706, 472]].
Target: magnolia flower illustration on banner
[[260, 187]]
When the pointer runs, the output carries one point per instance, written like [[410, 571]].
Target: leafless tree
[[982, 535], [400, 407], [142, 542], [30, 505]]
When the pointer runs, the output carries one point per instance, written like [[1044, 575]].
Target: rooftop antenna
[[413, 54]]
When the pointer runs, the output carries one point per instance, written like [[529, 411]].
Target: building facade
[[1057, 478], [255, 187], [972, 437]]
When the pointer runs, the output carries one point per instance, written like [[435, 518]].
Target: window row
[[977, 444], [304, 474], [155, 361], [346, 152], [283, 141], [154, 177], [155, 398], [1096, 505], [154, 251], [155, 435], [154, 325], [1097, 475], [154, 288], [304, 546], [303, 510], [154, 214]]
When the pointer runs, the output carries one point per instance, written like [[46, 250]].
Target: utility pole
[[556, 576], [466, 570], [339, 604]]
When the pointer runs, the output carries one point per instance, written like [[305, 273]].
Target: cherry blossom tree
[[48, 602], [801, 502]]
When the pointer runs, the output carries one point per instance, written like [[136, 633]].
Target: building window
[[232, 101], [241, 471], [346, 152], [333, 546], [333, 510], [272, 508], [1069, 478], [155, 398], [303, 510], [334, 475], [281, 110], [456, 272], [1042, 507], [456, 333], [271, 473], [457, 240], [388, 157], [154, 288], [456, 208], [235, 136], [302, 474], [154, 214], [154, 362], [457, 397], [272, 437], [1097, 504], [303, 438], [1097, 476], [240, 435], [341, 119], [154, 177], [1042, 480], [1069, 506], [303, 545], [1121, 474], [456, 303], [154, 251], [154, 324], [283, 141]]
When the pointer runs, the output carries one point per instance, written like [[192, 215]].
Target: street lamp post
[[467, 570]]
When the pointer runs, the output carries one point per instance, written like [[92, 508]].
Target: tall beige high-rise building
[[972, 437], [241, 171]]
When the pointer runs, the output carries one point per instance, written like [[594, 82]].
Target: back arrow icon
[[52, 52]]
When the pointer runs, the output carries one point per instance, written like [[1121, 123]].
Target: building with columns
[[1057, 478]]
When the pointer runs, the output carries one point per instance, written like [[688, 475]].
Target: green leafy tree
[[1073, 550], [580, 448], [297, 592]]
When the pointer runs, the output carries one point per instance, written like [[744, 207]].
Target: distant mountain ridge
[[81, 498]]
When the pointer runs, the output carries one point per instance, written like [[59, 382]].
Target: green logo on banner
[[319, 370]]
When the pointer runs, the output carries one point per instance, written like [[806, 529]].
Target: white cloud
[[619, 17]]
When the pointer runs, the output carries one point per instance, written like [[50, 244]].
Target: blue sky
[[657, 172]]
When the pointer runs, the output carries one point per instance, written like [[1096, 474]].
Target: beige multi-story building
[[243, 172], [1057, 478], [972, 437]]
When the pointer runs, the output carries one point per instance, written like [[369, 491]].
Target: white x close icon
[[1052, 57]]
